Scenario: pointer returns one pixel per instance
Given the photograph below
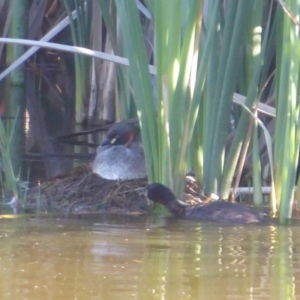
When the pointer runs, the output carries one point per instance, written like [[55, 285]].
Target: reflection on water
[[142, 258]]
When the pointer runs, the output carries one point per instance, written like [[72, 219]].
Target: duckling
[[220, 211], [120, 156]]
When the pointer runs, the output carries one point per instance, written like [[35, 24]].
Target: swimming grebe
[[220, 211]]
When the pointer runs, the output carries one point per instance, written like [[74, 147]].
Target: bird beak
[[144, 194]]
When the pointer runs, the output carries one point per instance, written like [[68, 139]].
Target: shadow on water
[[113, 257]]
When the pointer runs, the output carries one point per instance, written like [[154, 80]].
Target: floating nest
[[83, 191]]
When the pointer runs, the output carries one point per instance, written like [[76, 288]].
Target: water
[[109, 257]]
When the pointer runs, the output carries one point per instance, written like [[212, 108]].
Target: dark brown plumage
[[220, 211]]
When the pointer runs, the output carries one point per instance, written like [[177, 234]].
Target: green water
[[103, 257]]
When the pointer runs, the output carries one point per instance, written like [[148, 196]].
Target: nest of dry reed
[[82, 191]]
